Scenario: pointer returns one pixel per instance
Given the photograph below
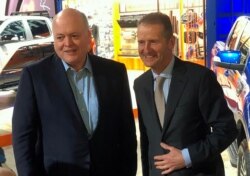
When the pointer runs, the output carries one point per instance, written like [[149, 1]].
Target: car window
[[13, 32], [39, 28], [244, 43]]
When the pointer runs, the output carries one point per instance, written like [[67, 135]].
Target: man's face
[[154, 48], [71, 39]]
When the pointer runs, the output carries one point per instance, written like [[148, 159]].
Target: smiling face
[[71, 37], [155, 49]]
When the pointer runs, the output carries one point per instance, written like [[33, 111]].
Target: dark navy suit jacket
[[196, 117], [49, 136]]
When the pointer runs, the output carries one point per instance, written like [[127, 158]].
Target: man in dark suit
[[196, 124], [73, 112]]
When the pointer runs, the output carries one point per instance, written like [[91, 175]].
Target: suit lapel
[[177, 85], [98, 78], [149, 94]]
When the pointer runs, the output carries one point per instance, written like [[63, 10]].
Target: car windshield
[[235, 35], [244, 43]]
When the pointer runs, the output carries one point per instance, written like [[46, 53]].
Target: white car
[[23, 40]]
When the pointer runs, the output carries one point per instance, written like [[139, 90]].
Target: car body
[[23, 40], [231, 62]]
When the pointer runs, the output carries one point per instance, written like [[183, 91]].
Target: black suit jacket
[[196, 117], [49, 136]]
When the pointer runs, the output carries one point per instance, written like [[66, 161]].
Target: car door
[[243, 46], [40, 32]]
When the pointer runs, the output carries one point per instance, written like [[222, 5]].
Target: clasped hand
[[173, 160]]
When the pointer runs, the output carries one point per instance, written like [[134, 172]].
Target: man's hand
[[171, 161]]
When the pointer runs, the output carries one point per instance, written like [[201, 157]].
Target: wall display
[[125, 18], [193, 33], [188, 25]]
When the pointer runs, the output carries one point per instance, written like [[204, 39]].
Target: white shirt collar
[[167, 72], [87, 65]]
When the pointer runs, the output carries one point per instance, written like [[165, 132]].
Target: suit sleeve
[[143, 133], [24, 124], [144, 145], [218, 117]]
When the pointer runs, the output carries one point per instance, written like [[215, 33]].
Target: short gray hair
[[158, 18]]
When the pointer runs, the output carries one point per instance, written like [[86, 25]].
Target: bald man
[[73, 112]]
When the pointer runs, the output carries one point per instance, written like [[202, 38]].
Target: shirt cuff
[[186, 156]]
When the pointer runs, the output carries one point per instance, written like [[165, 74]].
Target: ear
[[172, 42], [89, 35], [89, 39]]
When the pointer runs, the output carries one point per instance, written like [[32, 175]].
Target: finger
[[163, 167], [165, 146], [160, 163], [159, 157], [167, 171]]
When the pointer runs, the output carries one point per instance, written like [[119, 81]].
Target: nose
[[68, 41], [146, 47]]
